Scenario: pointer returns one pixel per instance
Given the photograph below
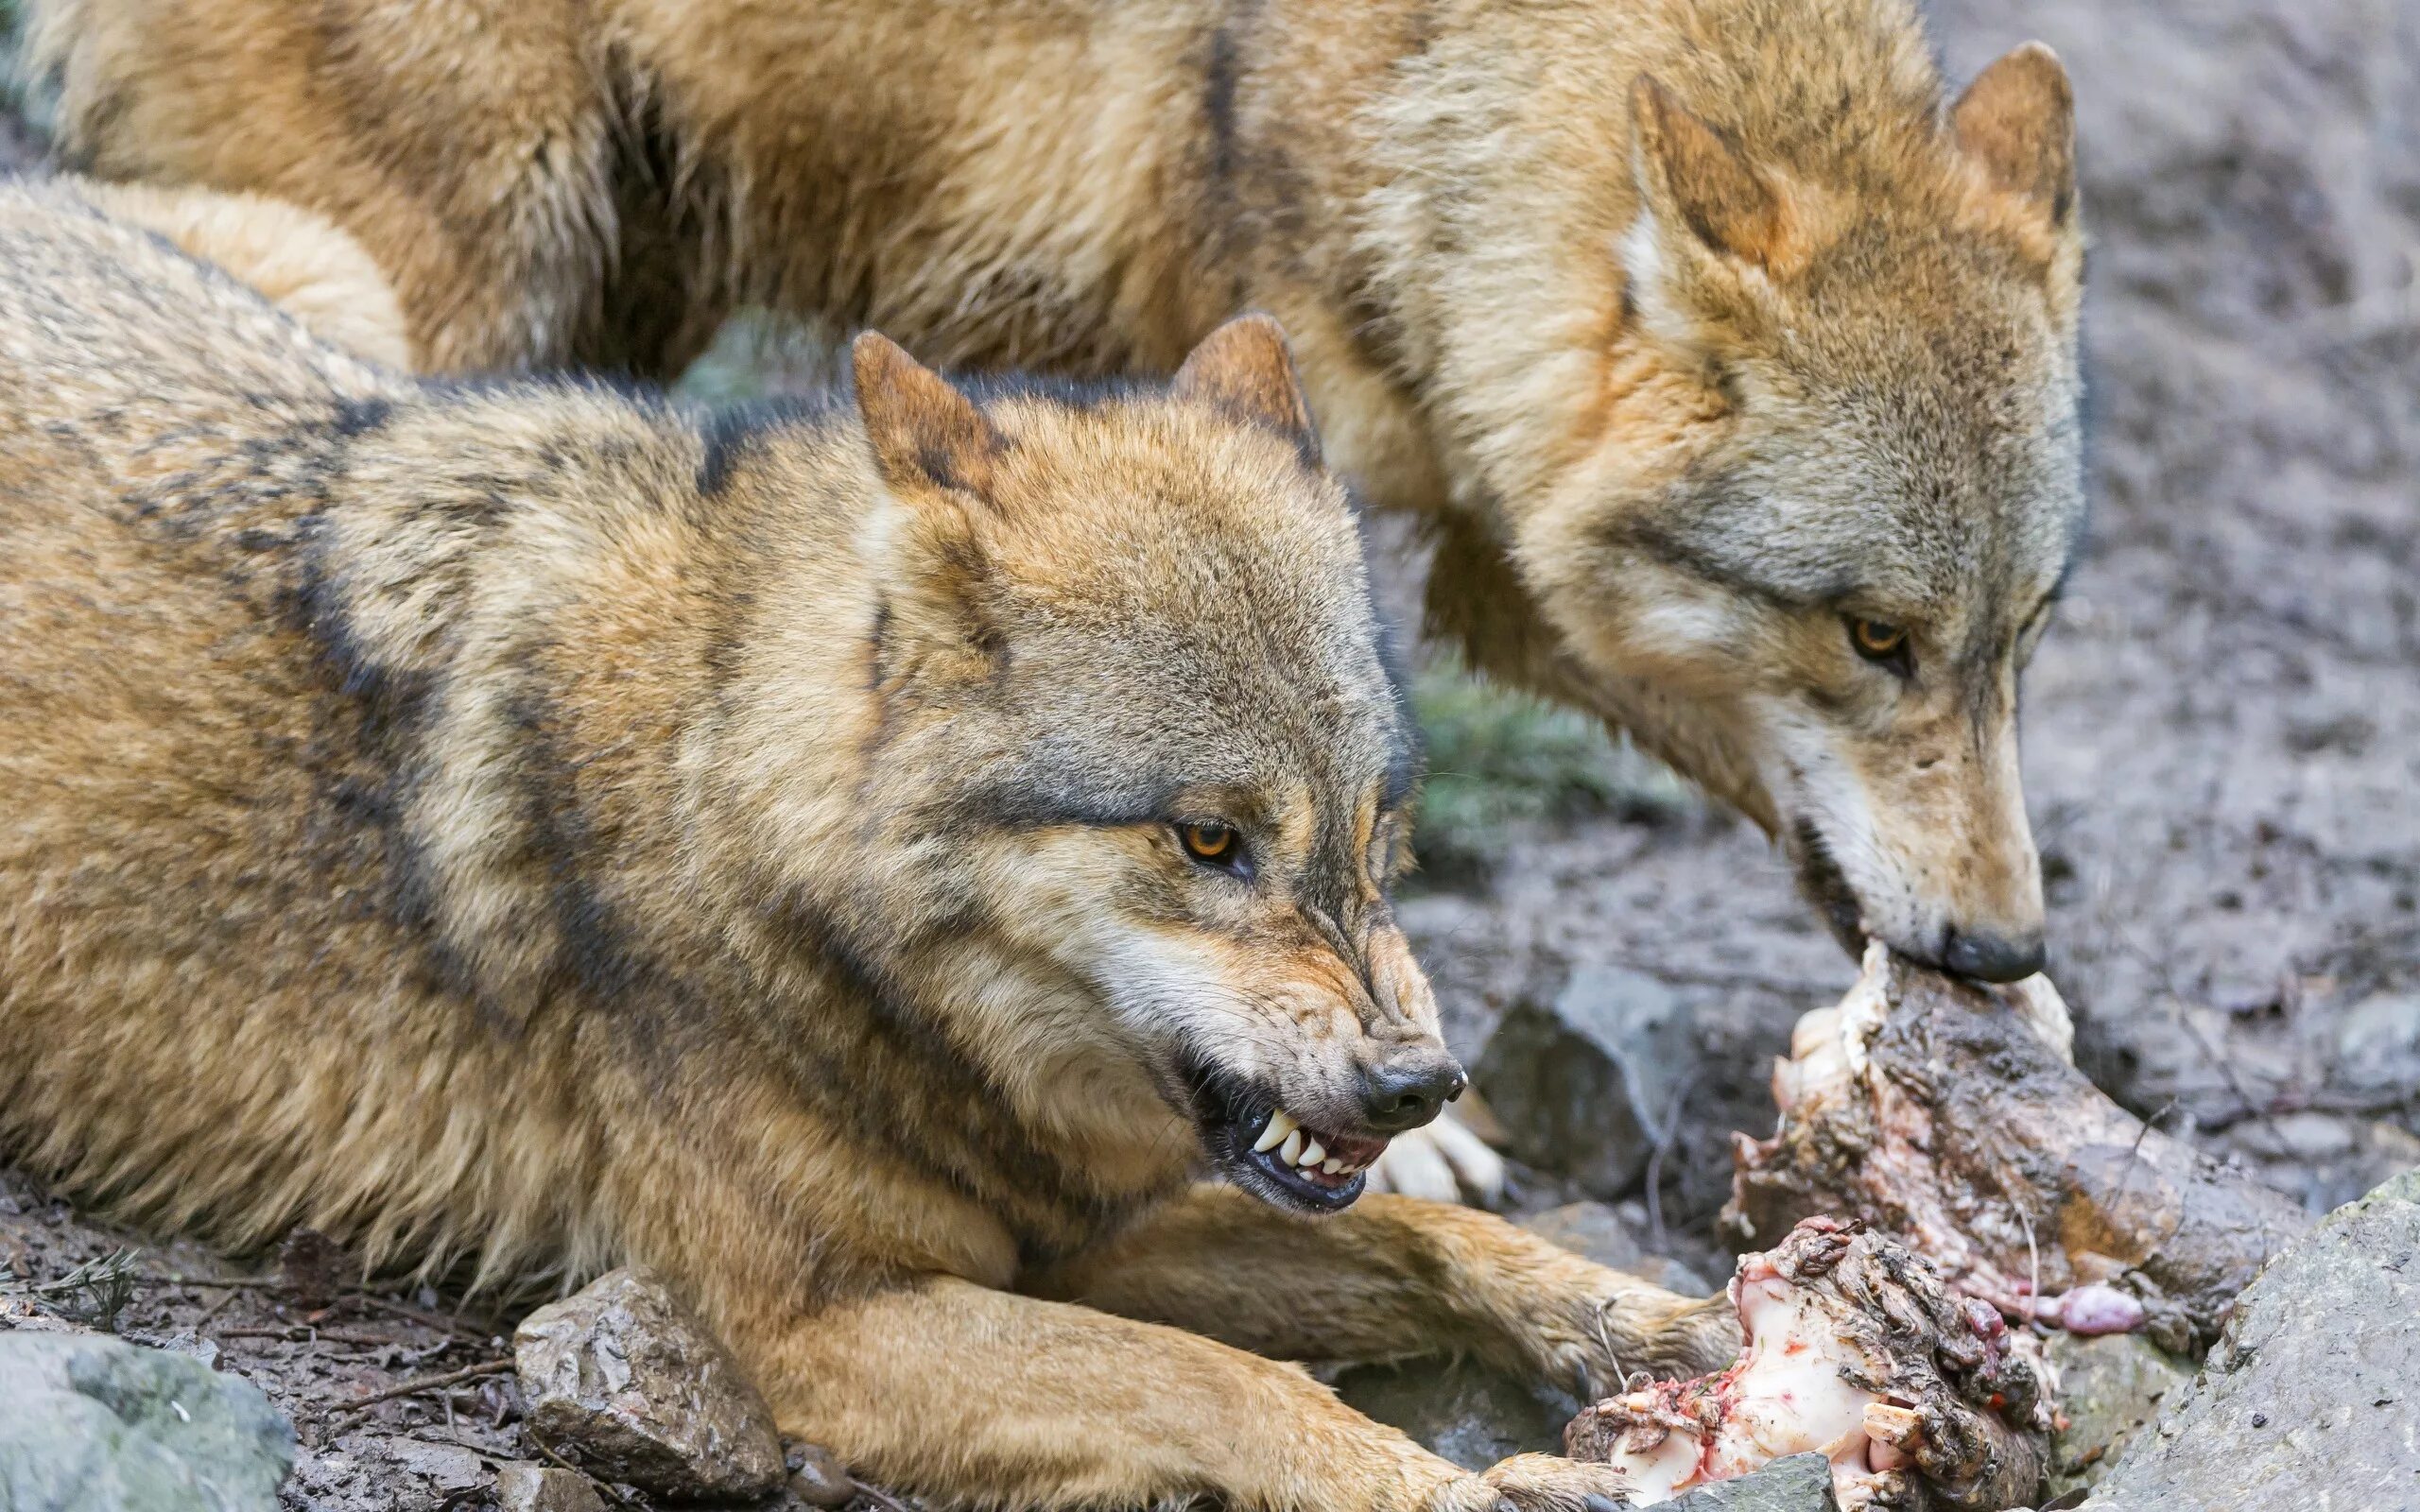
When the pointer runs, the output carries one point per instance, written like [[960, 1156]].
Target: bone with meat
[[1856, 1349], [1948, 1115]]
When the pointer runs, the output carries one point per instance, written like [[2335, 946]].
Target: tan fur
[[527, 830], [301, 261], [1670, 317]]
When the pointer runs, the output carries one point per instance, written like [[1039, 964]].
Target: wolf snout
[[1988, 956], [1410, 1086]]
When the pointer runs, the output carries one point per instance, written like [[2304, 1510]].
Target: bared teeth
[[1295, 1147], [1281, 1123]]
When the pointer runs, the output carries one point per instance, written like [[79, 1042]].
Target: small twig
[[2165, 975], [606, 1487], [423, 1315], [1664, 1139], [2032, 1260], [2348, 1104], [360, 1410], [214, 1310], [304, 1333], [883, 1499]]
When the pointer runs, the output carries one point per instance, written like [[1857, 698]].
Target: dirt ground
[[2223, 731]]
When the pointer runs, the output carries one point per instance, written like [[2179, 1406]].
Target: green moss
[[1498, 759], [760, 356]]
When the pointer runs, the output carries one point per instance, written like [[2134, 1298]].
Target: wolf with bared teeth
[[862, 861]]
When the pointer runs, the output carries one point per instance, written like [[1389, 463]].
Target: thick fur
[[1691, 327], [527, 830], [301, 261]]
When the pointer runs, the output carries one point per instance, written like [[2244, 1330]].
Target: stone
[[816, 1478], [623, 1380], [521, 1488], [96, 1424], [2378, 1042], [1802, 1483], [445, 1466], [1583, 1084], [2109, 1388], [1601, 1232], [1461, 1410], [2309, 1397]]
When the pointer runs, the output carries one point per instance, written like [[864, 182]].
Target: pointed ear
[[935, 451], [1690, 176], [924, 432], [1245, 370], [2017, 120]]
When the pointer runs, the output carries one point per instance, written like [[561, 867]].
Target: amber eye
[[1215, 843], [1879, 641]]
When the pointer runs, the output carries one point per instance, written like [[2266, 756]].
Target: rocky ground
[[2223, 738]]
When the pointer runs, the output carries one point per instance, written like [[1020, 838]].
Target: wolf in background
[[860, 863], [1729, 362]]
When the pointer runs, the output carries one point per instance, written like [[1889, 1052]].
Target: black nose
[[1990, 957], [1407, 1089]]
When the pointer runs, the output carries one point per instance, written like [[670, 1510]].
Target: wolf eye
[[1879, 641], [1216, 844]]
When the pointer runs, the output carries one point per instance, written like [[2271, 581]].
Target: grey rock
[[189, 1343], [1601, 1232], [1581, 1085], [2310, 1396], [1459, 1409], [445, 1466], [1802, 1483], [96, 1424], [544, 1488], [2109, 1388], [624, 1380], [816, 1478], [2378, 1042]]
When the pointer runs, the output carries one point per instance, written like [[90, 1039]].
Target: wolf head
[[1825, 597], [1141, 767]]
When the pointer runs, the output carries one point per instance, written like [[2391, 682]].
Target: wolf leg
[[1443, 1161], [1392, 1276], [959, 1392]]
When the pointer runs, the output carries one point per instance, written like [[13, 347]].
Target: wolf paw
[[1546, 1483], [1444, 1162]]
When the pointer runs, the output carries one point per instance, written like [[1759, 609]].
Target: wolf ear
[[2017, 120], [935, 451], [1689, 176], [1244, 369], [924, 433]]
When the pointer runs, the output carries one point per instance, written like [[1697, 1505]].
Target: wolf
[[1728, 361], [311, 270], [862, 860]]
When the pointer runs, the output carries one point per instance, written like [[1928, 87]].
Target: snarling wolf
[[862, 861], [1729, 362]]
